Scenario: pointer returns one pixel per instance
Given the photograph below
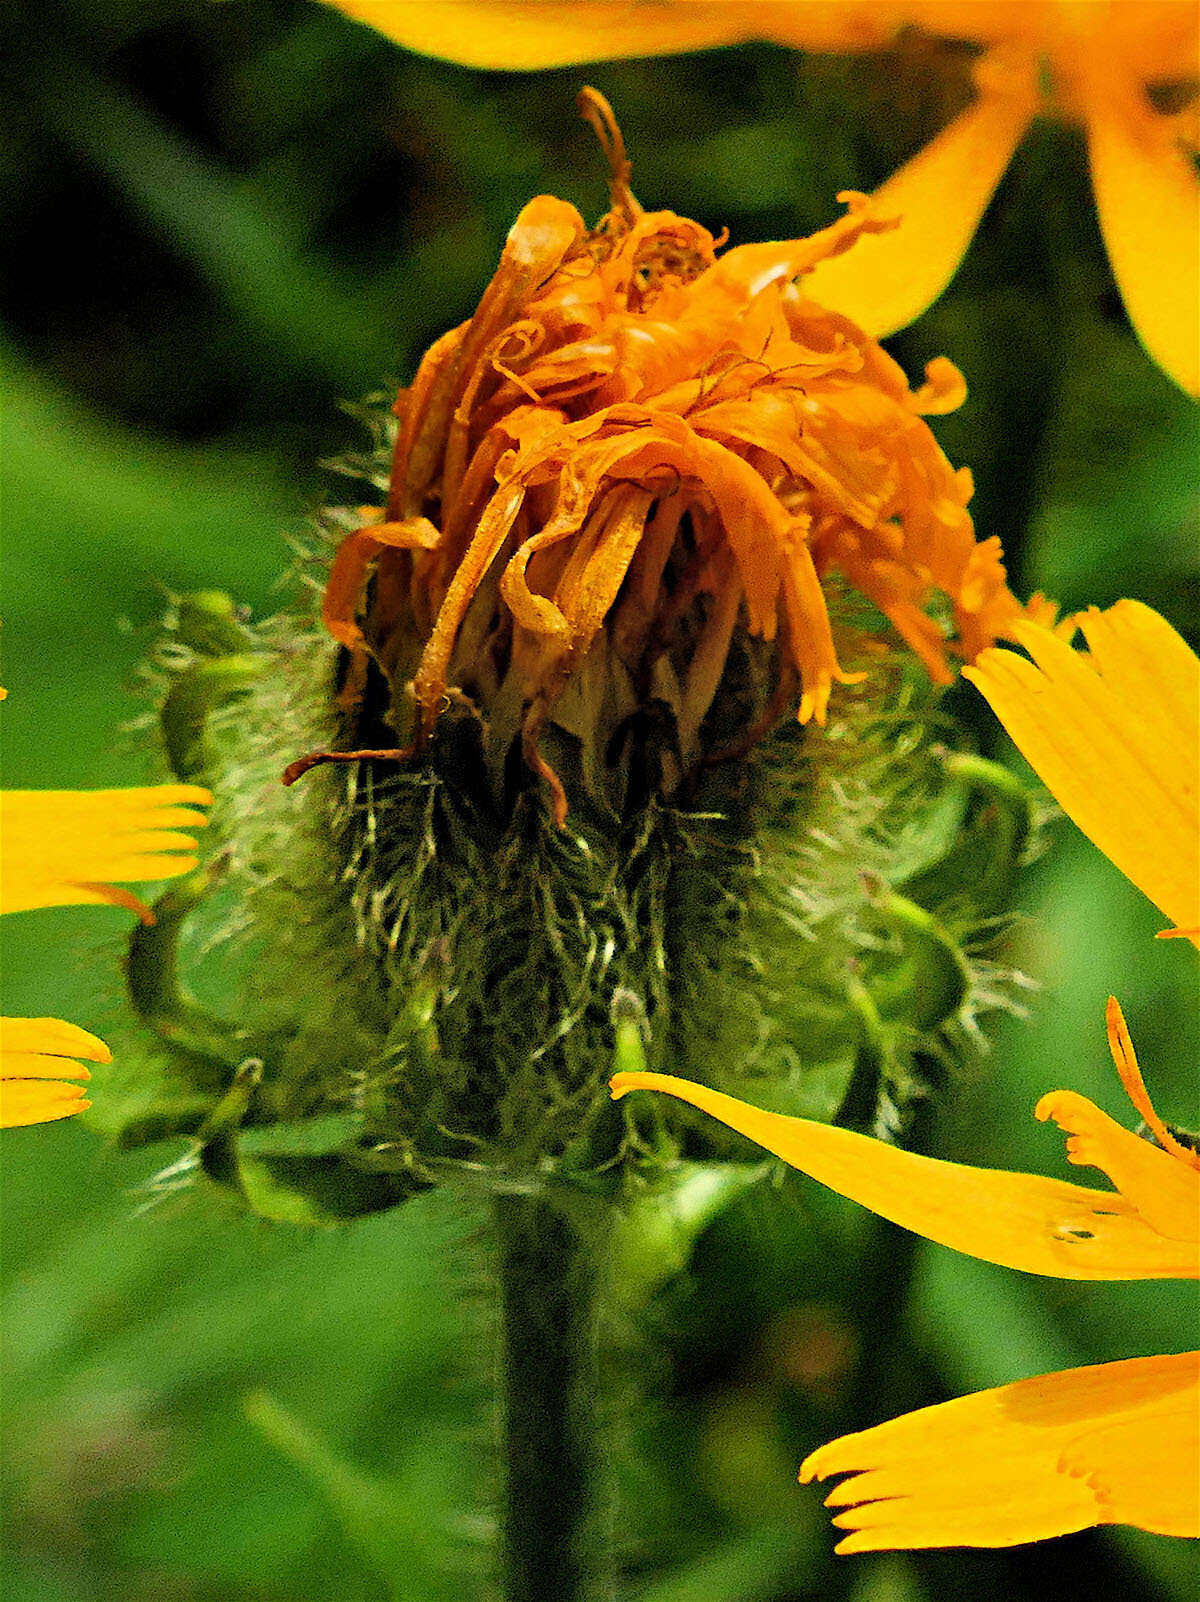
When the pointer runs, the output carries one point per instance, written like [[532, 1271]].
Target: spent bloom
[[638, 444], [63, 848], [1115, 734], [1125, 70]]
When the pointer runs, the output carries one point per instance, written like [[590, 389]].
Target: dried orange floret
[[639, 433]]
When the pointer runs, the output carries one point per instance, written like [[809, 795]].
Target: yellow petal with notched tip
[[889, 279], [71, 847], [1045, 1226], [36, 1055], [51, 1038], [1118, 1443], [1165, 1191], [1114, 735], [38, 1101]]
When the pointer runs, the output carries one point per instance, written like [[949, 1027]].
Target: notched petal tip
[[1160, 1188], [28, 1101], [1113, 1443]]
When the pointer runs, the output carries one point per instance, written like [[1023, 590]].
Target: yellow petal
[[1044, 1226], [38, 1101], [1164, 1191], [524, 34], [36, 1055], [1125, 1058], [1162, 1182], [889, 279], [1148, 198], [1113, 1444], [70, 847], [1115, 737], [51, 1038], [551, 33]]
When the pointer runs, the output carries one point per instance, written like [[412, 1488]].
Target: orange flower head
[[638, 446]]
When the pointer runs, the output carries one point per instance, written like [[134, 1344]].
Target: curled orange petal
[[1125, 1059]]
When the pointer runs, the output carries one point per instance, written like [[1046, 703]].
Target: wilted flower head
[[626, 505], [640, 440]]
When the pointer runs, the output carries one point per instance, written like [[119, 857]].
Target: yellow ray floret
[[1117, 1444], [549, 33], [73, 847], [939, 197], [1147, 1229], [1114, 734], [1114, 1444], [37, 1057]]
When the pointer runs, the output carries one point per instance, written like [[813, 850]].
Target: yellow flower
[[638, 434], [1097, 62], [62, 848], [1115, 735]]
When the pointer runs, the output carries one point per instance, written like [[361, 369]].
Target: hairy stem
[[552, 1525]]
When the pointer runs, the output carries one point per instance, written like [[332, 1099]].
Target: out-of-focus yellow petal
[[527, 34], [35, 1058], [524, 34], [1148, 198], [1114, 1444], [1115, 736], [889, 279], [71, 847], [1044, 1226]]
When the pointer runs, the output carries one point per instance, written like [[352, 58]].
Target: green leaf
[[386, 1524], [313, 1191], [655, 1233], [302, 1137], [926, 983]]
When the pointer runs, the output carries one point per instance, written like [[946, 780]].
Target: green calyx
[[432, 987]]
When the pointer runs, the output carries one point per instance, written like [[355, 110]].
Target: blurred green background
[[221, 220]]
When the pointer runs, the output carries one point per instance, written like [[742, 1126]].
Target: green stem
[[548, 1381]]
